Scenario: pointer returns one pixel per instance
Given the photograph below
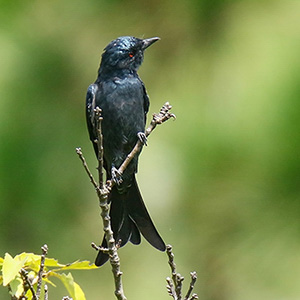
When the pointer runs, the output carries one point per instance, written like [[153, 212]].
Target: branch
[[100, 145], [24, 275], [80, 155], [103, 190], [176, 277], [163, 116], [46, 292], [192, 284], [41, 271], [174, 286]]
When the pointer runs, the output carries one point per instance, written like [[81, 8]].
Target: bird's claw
[[116, 176], [142, 137]]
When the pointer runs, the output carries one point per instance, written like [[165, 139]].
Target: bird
[[121, 95]]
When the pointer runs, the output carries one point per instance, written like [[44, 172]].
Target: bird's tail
[[129, 218]]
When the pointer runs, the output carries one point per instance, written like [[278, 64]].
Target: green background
[[221, 182]]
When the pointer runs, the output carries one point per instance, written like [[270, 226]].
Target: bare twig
[[174, 286], [99, 119], [103, 196], [80, 155], [176, 277], [41, 271], [170, 288], [157, 119], [192, 284], [24, 275], [46, 292]]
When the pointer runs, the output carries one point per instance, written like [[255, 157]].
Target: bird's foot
[[142, 137], [116, 176]]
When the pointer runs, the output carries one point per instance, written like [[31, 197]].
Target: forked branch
[[174, 285], [103, 189]]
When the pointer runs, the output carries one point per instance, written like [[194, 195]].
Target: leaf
[[79, 265], [28, 295], [11, 268], [16, 287], [79, 294], [1, 280], [46, 280], [51, 262], [72, 287], [32, 260]]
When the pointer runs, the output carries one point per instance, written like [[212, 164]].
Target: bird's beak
[[149, 42]]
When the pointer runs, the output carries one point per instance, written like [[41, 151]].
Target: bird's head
[[126, 52]]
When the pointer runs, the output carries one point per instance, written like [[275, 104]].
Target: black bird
[[122, 96]]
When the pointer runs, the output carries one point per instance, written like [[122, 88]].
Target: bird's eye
[[131, 54]]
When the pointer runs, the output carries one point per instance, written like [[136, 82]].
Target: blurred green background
[[221, 182]]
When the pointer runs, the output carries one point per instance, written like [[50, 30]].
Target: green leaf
[[11, 268], [72, 287], [16, 287]]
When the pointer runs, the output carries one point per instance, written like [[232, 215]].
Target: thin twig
[[80, 155], [172, 264], [99, 119], [46, 292], [157, 119], [41, 271], [176, 277], [192, 284], [174, 287], [171, 289], [103, 196], [179, 280], [24, 275]]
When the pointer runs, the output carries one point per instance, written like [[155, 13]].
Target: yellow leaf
[[28, 295], [48, 281], [79, 265], [11, 268], [79, 294], [51, 262], [32, 260], [72, 287]]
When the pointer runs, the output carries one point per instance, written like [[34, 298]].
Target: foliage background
[[221, 183]]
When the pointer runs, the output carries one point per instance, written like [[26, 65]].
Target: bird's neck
[[112, 73]]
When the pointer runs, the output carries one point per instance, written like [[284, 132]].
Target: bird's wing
[[90, 112], [146, 100]]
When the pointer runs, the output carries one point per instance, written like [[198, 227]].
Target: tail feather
[[135, 237], [140, 216], [129, 217]]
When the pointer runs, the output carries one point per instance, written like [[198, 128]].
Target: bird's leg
[[116, 176], [142, 137]]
